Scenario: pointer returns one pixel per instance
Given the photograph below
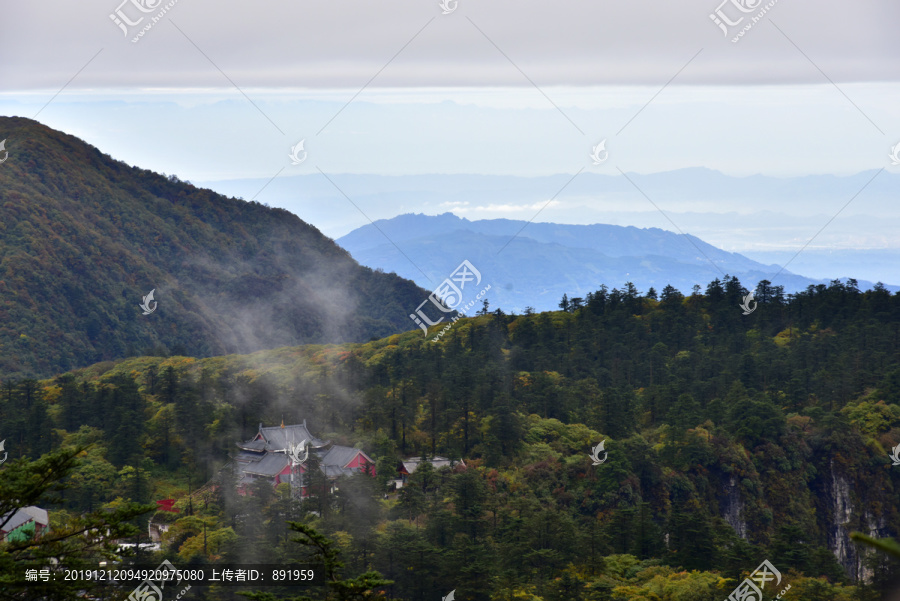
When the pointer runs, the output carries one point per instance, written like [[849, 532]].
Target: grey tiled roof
[[438, 462], [278, 437], [333, 471], [270, 464], [339, 455], [40, 515], [259, 457], [245, 456], [15, 521], [23, 516], [254, 445]]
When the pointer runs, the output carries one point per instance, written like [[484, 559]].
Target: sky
[[526, 88]]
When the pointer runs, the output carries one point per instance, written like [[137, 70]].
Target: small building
[[156, 530], [151, 547], [266, 456], [408, 466], [24, 524]]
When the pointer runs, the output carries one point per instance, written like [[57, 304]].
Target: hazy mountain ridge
[[546, 260], [759, 212], [84, 238], [610, 240]]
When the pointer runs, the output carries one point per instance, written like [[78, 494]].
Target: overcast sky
[[524, 87], [344, 43], [216, 91]]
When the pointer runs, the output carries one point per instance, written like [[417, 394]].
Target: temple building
[[408, 466], [268, 455], [24, 524]]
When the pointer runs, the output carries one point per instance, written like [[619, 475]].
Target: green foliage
[[361, 588], [84, 238], [727, 442], [873, 418], [73, 541], [213, 544], [889, 546]]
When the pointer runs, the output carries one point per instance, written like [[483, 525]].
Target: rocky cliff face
[[732, 507], [850, 511], [841, 512], [843, 506]]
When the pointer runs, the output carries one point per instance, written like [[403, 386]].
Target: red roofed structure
[[167, 505], [266, 456]]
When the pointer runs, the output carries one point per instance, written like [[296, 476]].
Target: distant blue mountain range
[[534, 264], [758, 212]]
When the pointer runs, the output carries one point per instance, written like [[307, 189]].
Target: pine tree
[[71, 401], [66, 546], [364, 587], [126, 421]]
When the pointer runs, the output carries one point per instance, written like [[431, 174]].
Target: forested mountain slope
[[731, 439], [83, 238]]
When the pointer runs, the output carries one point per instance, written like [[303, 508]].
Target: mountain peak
[[535, 263], [85, 238]]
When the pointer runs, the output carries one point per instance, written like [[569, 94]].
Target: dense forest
[[84, 238], [731, 439]]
